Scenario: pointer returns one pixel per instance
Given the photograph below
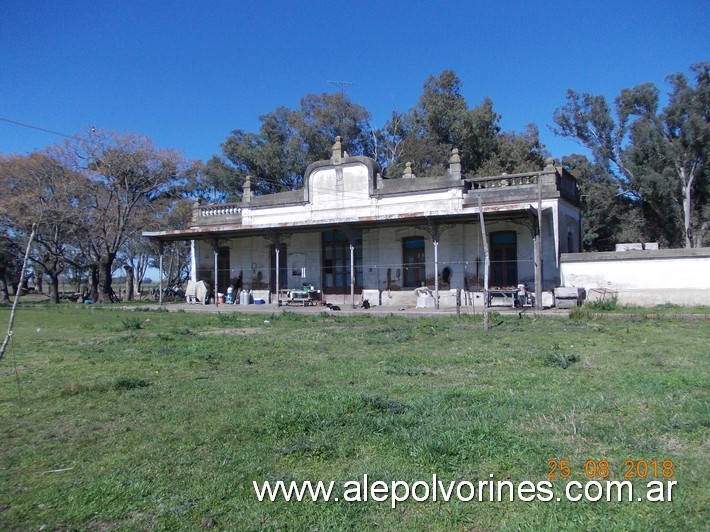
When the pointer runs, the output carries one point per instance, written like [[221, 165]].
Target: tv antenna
[[340, 84]]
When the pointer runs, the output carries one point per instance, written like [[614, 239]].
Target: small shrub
[[669, 306], [132, 324], [562, 361], [602, 305], [580, 313]]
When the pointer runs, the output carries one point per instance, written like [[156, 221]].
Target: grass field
[[154, 420]]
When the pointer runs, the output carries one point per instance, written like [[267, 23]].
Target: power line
[[38, 128], [340, 84]]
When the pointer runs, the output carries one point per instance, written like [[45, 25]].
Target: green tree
[[656, 157], [441, 121], [513, 152], [608, 214], [288, 141]]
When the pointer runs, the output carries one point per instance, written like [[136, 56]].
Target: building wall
[[677, 276], [460, 249]]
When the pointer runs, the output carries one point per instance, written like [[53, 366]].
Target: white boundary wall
[[678, 276]]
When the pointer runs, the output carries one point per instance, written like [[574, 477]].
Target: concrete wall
[[678, 276]]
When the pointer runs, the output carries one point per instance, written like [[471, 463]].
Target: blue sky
[[187, 73]]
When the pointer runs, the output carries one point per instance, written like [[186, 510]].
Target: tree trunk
[[129, 281], [687, 191], [4, 293], [53, 288], [94, 282], [106, 278]]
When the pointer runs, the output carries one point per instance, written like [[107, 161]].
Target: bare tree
[[130, 183]]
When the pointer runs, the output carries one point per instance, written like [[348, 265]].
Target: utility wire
[[30, 126]]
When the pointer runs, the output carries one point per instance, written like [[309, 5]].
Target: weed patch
[[382, 404], [561, 361], [132, 324]]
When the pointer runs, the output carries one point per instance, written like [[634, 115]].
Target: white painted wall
[[664, 277]]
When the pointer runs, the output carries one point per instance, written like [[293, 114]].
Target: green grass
[[154, 420]]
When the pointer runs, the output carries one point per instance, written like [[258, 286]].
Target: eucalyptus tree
[[442, 120], [657, 157], [288, 141]]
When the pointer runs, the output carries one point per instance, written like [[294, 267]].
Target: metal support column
[[436, 273], [216, 254], [277, 254], [160, 273], [352, 274]]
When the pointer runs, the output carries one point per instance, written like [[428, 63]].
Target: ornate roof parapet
[[455, 165]]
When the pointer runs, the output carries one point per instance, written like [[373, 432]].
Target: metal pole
[[352, 273], [277, 249], [538, 247], [160, 274], [216, 252], [436, 273]]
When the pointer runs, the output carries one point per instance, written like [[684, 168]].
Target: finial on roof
[[408, 171], [337, 151], [455, 165]]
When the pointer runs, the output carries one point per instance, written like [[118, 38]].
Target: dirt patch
[[11, 371]]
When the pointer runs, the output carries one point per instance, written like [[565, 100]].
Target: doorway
[[504, 258]]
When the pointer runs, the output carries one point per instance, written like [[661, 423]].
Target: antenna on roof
[[340, 84]]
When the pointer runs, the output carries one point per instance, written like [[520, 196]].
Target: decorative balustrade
[[215, 212], [501, 181]]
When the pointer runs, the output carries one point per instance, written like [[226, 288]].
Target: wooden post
[[486, 265], [538, 247], [18, 291]]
